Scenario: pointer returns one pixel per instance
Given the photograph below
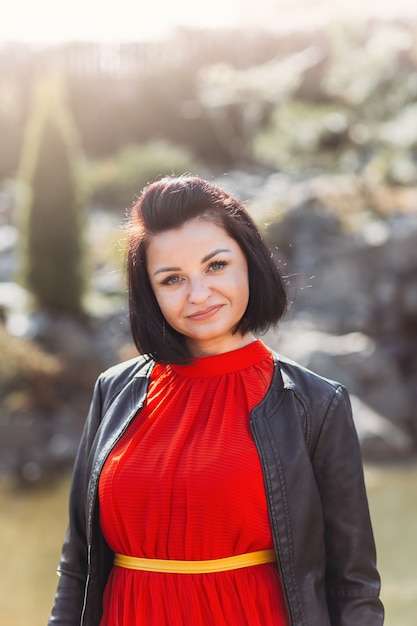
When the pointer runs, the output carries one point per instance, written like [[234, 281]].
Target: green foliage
[[221, 93], [117, 181], [51, 224], [11, 114], [304, 135]]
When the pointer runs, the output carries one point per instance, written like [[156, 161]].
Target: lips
[[205, 313]]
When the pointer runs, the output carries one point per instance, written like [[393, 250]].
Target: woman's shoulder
[[316, 398], [118, 376], [304, 382]]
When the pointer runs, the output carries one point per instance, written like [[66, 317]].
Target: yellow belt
[[195, 567]]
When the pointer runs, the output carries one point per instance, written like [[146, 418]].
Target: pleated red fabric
[[185, 483]]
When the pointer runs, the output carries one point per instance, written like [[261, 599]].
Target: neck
[[220, 346]]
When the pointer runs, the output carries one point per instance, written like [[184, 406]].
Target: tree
[[52, 221]]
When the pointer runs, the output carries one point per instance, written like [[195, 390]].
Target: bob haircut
[[168, 204]]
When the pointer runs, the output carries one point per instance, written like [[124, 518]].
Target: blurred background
[[307, 111]]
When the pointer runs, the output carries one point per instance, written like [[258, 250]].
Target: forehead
[[195, 237]]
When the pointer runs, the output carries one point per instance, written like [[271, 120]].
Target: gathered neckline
[[224, 363]]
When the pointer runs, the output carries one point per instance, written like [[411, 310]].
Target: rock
[[355, 271], [381, 439]]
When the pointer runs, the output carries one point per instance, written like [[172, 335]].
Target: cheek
[[168, 303], [242, 283], [244, 296]]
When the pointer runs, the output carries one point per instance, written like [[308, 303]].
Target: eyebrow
[[206, 258], [212, 254]]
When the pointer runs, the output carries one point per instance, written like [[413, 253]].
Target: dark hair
[[168, 204]]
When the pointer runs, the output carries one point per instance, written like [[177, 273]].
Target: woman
[[216, 483]]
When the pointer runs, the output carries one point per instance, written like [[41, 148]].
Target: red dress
[[185, 483]]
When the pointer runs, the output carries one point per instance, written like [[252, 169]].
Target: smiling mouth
[[202, 315]]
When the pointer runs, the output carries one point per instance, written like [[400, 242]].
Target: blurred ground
[[33, 527]]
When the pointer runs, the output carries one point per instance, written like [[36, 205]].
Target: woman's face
[[199, 276]]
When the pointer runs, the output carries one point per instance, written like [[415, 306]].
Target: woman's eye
[[171, 280], [215, 266]]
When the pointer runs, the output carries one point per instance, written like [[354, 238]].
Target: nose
[[199, 291]]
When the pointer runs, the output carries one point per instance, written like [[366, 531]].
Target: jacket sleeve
[[352, 580], [72, 569]]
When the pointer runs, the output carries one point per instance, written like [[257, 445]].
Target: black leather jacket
[[313, 477]]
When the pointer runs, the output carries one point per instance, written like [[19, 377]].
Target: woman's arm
[[72, 568], [352, 580]]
